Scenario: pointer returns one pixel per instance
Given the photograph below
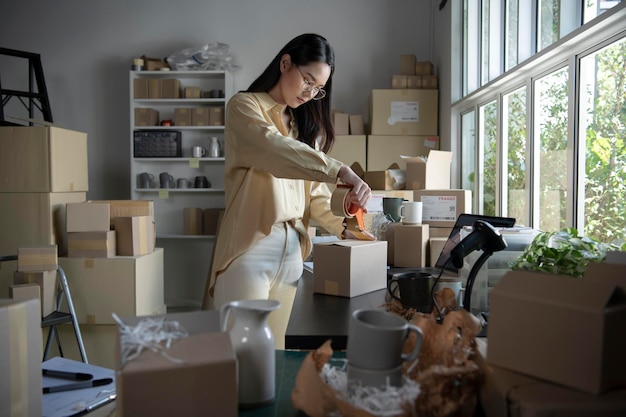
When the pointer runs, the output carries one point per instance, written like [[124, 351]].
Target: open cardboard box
[[566, 330], [428, 173], [393, 178]]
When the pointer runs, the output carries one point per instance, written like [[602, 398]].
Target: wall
[[87, 47]]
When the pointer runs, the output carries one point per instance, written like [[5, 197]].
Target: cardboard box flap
[[348, 243], [358, 169], [568, 292], [612, 273]]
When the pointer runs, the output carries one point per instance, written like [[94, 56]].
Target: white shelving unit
[[187, 257]]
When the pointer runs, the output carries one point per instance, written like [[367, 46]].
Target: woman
[[276, 136]]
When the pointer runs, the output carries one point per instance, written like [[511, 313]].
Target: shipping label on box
[[42, 159], [441, 208], [404, 112], [349, 268], [88, 217], [125, 285]]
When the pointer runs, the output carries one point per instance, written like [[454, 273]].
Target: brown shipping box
[[153, 385], [399, 81], [561, 329], [146, 117], [134, 235], [349, 268], [125, 285], [200, 116], [349, 149], [37, 258], [192, 92], [30, 219], [25, 292], [216, 116], [356, 124], [192, 220], [435, 247], [341, 123], [410, 245], [42, 159], [407, 64], [88, 217], [20, 368], [404, 112], [170, 88], [383, 151], [154, 88], [392, 178], [430, 172], [441, 208], [47, 283], [182, 116], [91, 244], [140, 88]]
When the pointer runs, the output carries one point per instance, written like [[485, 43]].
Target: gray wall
[[87, 48]]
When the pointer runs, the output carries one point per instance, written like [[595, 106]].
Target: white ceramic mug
[[198, 152], [411, 212], [455, 284]]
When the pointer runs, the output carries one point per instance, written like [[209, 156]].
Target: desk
[[316, 318]]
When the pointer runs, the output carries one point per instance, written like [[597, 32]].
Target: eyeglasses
[[309, 87]]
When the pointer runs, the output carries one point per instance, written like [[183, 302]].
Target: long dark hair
[[312, 118]]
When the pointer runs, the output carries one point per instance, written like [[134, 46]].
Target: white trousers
[[269, 270]]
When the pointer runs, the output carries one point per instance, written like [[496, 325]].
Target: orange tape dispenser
[[341, 206]]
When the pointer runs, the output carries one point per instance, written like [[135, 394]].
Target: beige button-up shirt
[[270, 178]]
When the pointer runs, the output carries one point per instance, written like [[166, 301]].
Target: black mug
[[201, 182], [414, 289]]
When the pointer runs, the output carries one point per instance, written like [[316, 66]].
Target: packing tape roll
[[339, 202]]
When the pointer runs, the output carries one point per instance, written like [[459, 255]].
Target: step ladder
[[33, 98], [59, 317]]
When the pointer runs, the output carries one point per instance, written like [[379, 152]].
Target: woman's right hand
[[360, 192]]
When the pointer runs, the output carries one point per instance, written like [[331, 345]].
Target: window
[[545, 140]]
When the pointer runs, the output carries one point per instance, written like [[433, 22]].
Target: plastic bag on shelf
[[213, 56]]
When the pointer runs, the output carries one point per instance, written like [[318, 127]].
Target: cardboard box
[[182, 116], [146, 117], [424, 68], [349, 268], [429, 82], [561, 329], [356, 124], [134, 235], [341, 123], [170, 88], [414, 81], [411, 245], [20, 358], [441, 208], [349, 149], [216, 116], [192, 92], [208, 356], [211, 217], [140, 88], [407, 64], [30, 219], [153, 64], [91, 244], [390, 237], [46, 281], [429, 173], [399, 81], [404, 112], [154, 88], [125, 285], [439, 231], [25, 292], [127, 208], [435, 247], [192, 220], [392, 178], [200, 116], [42, 159], [383, 151], [88, 217], [37, 258]]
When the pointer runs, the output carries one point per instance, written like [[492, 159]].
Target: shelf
[[179, 100], [183, 159], [218, 128], [180, 190], [193, 74], [181, 236]]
